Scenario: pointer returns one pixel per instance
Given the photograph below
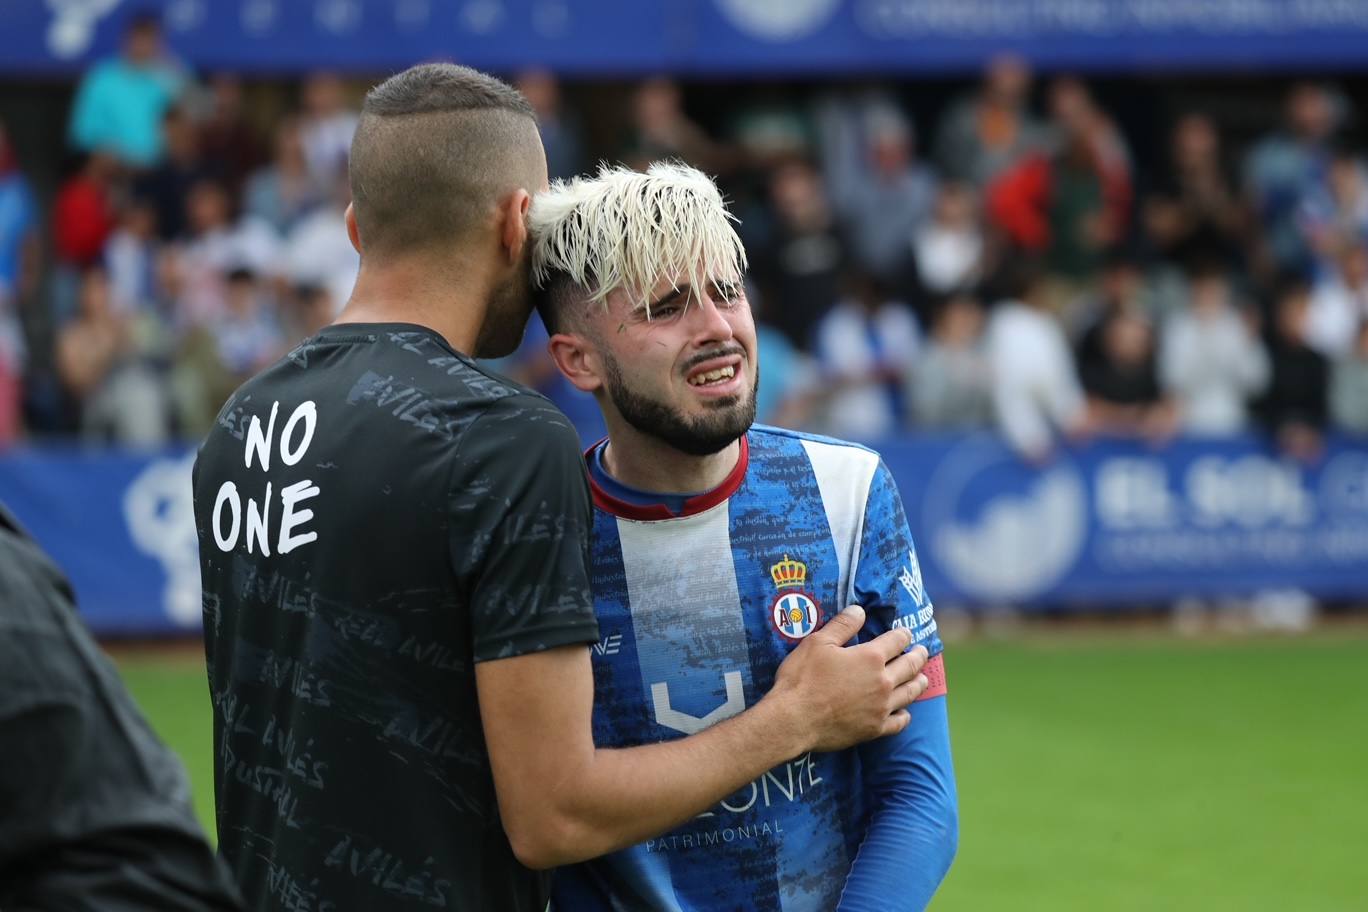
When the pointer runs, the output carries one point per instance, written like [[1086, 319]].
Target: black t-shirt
[[94, 811], [376, 513]]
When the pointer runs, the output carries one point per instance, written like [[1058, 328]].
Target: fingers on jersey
[[892, 643], [904, 695], [896, 722], [840, 629], [907, 665]]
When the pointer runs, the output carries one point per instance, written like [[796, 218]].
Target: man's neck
[[416, 291], [648, 464]]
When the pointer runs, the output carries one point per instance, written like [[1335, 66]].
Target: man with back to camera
[[717, 548], [394, 547]]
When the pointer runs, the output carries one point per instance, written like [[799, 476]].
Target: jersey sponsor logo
[[795, 613], [911, 578], [610, 645], [681, 721]]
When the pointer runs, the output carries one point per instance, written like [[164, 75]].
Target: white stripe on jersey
[[844, 474], [690, 632]]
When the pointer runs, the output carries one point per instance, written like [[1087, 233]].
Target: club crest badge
[[795, 613]]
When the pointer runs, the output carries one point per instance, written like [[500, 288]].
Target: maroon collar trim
[[705, 501]]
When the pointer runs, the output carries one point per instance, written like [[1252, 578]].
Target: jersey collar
[[693, 505]]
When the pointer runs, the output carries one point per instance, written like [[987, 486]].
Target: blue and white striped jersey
[[697, 608]]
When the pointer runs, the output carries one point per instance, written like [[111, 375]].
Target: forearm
[[619, 797]]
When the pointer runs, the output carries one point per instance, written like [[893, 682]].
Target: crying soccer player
[[718, 545]]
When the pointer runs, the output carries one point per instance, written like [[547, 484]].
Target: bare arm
[[564, 800]]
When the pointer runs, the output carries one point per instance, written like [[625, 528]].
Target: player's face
[[688, 374]]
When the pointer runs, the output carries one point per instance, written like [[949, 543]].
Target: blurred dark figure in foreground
[[94, 810]]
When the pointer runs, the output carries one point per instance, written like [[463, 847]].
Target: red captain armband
[[935, 674]]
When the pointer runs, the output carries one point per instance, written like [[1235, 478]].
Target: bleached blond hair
[[624, 229]]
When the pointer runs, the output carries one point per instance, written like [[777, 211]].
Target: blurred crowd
[[1009, 265]]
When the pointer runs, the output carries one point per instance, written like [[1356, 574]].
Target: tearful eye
[[727, 291]]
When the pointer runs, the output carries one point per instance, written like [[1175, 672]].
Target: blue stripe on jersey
[[778, 513]]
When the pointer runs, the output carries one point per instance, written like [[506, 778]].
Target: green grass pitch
[[1097, 772]]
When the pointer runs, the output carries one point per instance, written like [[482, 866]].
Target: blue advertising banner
[[1112, 523], [120, 526], [1116, 522], [702, 37]]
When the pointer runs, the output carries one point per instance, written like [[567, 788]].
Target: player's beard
[[510, 305], [701, 436]]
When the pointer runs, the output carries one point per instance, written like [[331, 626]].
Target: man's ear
[[353, 234], [577, 360], [513, 219]]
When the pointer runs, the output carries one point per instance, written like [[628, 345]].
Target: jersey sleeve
[[888, 579], [908, 778], [520, 522]]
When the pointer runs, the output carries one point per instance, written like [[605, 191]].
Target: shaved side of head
[[436, 148]]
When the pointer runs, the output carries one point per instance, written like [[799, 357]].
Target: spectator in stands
[[950, 385], [1349, 386], [205, 256], [949, 247], [1283, 168], [883, 194], [326, 127], [1036, 395], [226, 140], [865, 347], [120, 101], [1211, 361], [1340, 303], [1070, 205], [559, 128], [660, 129], [1294, 407], [791, 390], [770, 127], [1120, 288], [130, 258], [1334, 214], [120, 394], [214, 246], [317, 251], [168, 185], [801, 267], [248, 333], [19, 266], [1121, 380], [308, 308], [991, 131], [83, 216], [283, 192], [1193, 211]]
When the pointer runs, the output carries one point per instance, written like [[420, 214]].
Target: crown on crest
[[789, 572]]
